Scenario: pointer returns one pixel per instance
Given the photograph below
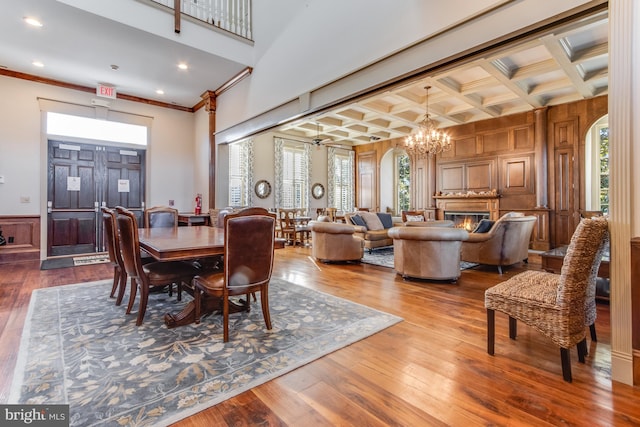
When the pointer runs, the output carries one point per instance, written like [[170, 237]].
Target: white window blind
[[294, 178], [237, 175]]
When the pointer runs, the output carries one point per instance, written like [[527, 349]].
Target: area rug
[[384, 258], [79, 349]]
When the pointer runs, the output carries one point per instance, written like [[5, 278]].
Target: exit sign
[[106, 91]]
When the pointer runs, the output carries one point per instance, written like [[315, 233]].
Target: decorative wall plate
[[263, 189], [317, 191]]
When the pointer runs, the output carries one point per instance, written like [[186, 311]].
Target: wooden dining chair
[[160, 216], [248, 263], [112, 240], [148, 275]]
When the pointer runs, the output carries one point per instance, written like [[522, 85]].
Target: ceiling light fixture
[[32, 21], [160, 92], [183, 66], [37, 64], [427, 139]]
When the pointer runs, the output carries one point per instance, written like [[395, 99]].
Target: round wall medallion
[[263, 189], [317, 191]]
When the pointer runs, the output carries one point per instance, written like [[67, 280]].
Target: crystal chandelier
[[427, 139]]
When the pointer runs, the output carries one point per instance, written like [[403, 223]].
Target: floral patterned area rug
[[79, 349]]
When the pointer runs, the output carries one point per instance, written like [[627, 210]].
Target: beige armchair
[[334, 241], [506, 243], [428, 252]]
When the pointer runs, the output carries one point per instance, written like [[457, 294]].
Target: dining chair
[[160, 216], [560, 306], [287, 226], [248, 263], [148, 275], [112, 240]]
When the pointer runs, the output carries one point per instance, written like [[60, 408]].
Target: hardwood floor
[[431, 369]]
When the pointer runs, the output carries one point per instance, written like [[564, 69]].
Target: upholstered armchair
[[506, 243], [334, 241], [427, 252]]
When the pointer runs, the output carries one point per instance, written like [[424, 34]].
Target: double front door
[[81, 179]]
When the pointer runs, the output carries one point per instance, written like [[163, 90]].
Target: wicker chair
[[558, 306]]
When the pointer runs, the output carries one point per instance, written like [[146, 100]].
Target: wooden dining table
[[183, 244]]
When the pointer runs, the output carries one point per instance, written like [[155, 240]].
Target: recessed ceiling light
[[114, 67], [38, 64], [183, 66], [32, 21], [160, 92]]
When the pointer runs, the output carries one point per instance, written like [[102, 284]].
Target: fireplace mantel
[[468, 203]]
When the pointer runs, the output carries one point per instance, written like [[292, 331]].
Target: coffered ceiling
[[568, 64]]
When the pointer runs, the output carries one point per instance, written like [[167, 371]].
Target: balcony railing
[[230, 15]]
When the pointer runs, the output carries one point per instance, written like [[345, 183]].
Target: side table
[[553, 259]]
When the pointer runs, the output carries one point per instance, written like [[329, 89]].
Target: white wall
[[170, 155], [326, 40]]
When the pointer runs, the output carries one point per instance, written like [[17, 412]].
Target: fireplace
[[467, 210], [466, 220]]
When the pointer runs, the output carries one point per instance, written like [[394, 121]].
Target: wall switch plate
[[1, 179], [25, 199]]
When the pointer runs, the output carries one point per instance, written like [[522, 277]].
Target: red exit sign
[[106, 91]]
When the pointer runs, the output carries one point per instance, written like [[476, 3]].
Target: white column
[[624, 134]]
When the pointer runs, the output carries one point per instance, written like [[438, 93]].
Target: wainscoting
[[22, 234]]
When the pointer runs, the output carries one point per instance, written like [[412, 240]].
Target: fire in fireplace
[[466, 220]]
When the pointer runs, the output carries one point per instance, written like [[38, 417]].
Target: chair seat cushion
[[168, 272], [211, 283], [538, 286]]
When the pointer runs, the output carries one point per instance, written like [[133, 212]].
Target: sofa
[[334, 241], [506, 241], [431, 253], [372, 227]]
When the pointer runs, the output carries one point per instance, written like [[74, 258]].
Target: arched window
[[597, 167]]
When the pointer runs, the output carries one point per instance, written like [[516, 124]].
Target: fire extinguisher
[[198, 209]]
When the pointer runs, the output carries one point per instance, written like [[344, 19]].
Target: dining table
[[188, 244], [185, 244]]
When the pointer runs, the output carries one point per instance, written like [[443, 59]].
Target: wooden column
[[209, 98], [541, 151], [176, 16]]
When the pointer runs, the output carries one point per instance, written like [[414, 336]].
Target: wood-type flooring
[[432, 369]]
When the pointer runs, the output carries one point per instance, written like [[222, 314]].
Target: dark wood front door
[[82, 178]]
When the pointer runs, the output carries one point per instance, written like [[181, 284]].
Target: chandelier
[[427, 139]]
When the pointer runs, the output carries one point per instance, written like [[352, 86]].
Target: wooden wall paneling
[[480, 176], [563, 196], [25, 233], [463, 147], [516, 175], [494, 142], [451, 177], [523, 138], [367, 178]]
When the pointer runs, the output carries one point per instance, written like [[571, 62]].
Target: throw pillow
[[419, 218], [483, 226], [372, 221], [385, 219], [357, 220]]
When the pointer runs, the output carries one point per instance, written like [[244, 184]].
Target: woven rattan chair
[[558, 306]]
